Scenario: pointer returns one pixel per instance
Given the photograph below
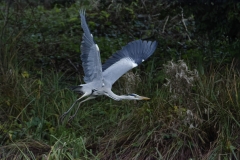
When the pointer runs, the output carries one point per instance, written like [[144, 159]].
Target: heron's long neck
[[117, 97]]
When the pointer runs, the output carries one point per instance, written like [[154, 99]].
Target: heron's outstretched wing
[[90, 56], [131, 55]]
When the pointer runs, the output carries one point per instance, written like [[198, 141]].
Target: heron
[[99, 78]]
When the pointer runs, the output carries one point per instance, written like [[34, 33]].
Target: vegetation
[[193, 80]]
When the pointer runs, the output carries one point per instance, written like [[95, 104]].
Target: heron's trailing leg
[[71, 117], [65, 113]]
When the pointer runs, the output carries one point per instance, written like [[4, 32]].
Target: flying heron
[[100, 78]]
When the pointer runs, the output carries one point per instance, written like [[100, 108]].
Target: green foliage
[[220, 23], [217, 19], [40, 57], [200, 125]]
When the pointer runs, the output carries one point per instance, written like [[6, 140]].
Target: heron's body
[[100, 78], [102, 90]]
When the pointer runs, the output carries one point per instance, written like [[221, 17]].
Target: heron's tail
[[77, 89]]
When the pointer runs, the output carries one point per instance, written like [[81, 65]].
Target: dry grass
[[188, 124]]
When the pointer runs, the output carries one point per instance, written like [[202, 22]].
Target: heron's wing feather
[[133, 54], [90, 56]]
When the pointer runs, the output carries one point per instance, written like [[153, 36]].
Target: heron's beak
[[144, 98]]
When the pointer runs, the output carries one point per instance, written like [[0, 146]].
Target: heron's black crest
[[138, 51]]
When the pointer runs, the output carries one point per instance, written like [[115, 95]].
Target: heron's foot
[[63, 116]]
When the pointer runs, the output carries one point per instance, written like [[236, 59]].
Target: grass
[[204, 124], [191, 116], [30, 116]]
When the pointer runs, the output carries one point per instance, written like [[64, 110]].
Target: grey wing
[[131, 55], [90, 56]]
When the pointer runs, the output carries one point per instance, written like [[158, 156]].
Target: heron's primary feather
[[131, 55], [90, 56]]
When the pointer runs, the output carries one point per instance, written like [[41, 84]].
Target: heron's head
[[137, 97]]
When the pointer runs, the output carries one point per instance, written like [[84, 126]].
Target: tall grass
[[190, 116], [168, 129], [162, 128]]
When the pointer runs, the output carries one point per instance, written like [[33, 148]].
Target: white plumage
[[100, 78]]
